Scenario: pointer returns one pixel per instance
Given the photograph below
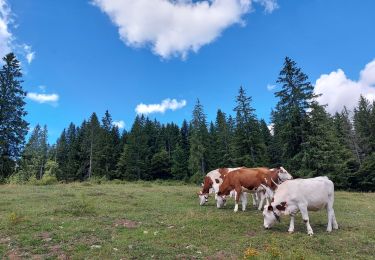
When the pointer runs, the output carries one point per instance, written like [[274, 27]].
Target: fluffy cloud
[[43, 98], [339, 91], [166, 104], [8, 41], [5, 35], [176, 27], [120, 124]]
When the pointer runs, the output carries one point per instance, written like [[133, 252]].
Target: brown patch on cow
[[270, 208], [272, 200], [217, 181], [223, 172], [126, 223], [281, 206], [207, 184]]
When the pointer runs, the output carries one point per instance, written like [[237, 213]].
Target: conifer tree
[[198, 142], [290, 116], [13, 127], [248, 143]]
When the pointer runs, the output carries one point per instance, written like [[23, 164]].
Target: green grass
[[149, 220]]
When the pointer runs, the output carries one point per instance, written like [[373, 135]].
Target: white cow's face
[[220, 201], [284, 175], [203, 198], [270, 215]]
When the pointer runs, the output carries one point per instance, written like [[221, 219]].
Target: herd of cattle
[[284, 195]]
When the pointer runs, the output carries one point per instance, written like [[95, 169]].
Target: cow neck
[[207, 185]]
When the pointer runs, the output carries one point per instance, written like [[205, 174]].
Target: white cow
[[301, 195]]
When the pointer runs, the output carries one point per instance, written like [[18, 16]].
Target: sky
[[157, 57]]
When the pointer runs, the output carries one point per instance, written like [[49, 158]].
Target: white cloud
[[30, 55], [43, 98], [270, 87], [176, 27], [6, 37], [8, 42], [339, 91], [269, 5], [120, 124], [171, 104]]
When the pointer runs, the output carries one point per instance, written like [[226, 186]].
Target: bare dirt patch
[[126, 223]]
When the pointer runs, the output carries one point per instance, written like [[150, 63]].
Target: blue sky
[[80, 56]]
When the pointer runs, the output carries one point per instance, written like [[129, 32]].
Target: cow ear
[[270, 208]]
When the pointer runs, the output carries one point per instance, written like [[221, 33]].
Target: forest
[[302, 137]]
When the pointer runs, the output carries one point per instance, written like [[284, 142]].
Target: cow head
[[203, 198], [220, 201], [284, 175], [271, 215]]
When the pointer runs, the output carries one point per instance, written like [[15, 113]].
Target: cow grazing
[[251, 180], [213, 180], [301, 195]]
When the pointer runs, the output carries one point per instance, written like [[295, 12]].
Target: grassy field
[[161, 221]]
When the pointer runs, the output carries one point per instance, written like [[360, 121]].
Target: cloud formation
[[5, 34], [339, 91], [166, 104], [176, 27], [120, 124], [8, 42], [43, 98]]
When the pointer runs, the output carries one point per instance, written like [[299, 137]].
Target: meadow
[[164, 221]]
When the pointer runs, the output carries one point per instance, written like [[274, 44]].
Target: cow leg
[[331, 216], [262, 197], [254, 196], [238, 195], [244, 200], [334, 222], [305, 217], [291, 225]]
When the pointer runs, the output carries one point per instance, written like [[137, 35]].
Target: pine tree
[[198, 143], [322, 151], [249, 146], [290, 116], [160, 165], [180, 156], [13, 127], [363, 127], [132, 164], [223, 140]]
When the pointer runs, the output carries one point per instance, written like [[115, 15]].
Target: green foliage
[[13, 127]]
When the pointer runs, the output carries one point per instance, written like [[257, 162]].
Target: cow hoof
[[311, 234], [329, 230], [290, 231]]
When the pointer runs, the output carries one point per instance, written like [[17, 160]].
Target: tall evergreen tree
[[132, 164], [13, 127], [248, 142], [198, 142], [290, 116]]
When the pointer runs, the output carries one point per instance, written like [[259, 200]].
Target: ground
[[164, 221]]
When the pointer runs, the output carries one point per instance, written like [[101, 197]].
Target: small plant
[[77, 208], [15, 218], [250, 253]]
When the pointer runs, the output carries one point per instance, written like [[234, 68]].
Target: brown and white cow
[[251, 180], [213, 180]]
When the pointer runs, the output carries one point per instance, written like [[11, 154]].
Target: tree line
[[302, 137]]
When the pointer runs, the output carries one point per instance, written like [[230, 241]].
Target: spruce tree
[[249, 145], [198, 143], [290, 116], [13, 127]]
